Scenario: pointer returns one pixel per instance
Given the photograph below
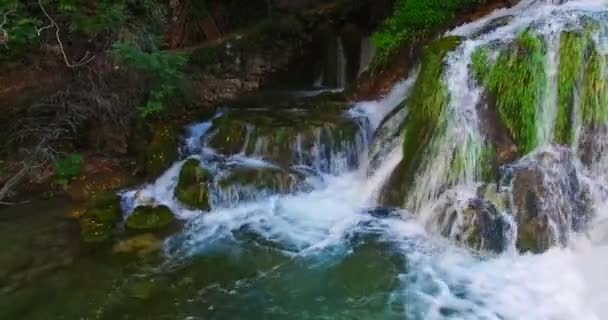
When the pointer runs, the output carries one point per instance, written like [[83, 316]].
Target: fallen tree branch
[[83, 61]]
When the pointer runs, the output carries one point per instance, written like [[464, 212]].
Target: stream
[[309, 240]]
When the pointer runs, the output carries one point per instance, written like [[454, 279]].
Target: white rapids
[[442, 280]]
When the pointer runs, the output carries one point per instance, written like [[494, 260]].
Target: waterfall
[[304, 188], [341, 65]]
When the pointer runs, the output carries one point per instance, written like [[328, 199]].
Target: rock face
[[192, 188], [150, 218], [549, 199]]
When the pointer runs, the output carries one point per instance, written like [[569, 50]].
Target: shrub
[[163, 70], [67, 168]]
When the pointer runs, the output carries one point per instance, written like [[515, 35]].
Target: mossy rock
[[162, 150], [150, 218], [517, 83], [103, 212], [94, 232], [278, 136], [192, 188], [427, 103]]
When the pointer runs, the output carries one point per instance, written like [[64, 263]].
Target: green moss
[[150, 218], [415, 19], [428, 100], [571, 53], [594, 101], [517, 82], [162, 150], [480, 64], [192, 189]]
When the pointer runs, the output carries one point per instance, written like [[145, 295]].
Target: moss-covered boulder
[[193, 185], [288, 137], [162, 150], [549, 199], [148, 218], [102, 214]]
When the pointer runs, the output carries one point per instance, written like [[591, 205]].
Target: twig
[[85, 59]]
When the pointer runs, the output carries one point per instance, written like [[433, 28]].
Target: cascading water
[[309, 241]]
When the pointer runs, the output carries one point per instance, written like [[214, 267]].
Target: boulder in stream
[[550, 200], [103, 212], [192, 188], [475, 223], [162, 150], [150, 218]]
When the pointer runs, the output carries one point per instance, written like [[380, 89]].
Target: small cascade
[[341, 64], [367, 54]]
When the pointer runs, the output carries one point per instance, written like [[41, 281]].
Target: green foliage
[[571, 54], [427, 103], [414, 19], [67, 168], [18, 31], [517, 81], [92, 17], [164, 71]]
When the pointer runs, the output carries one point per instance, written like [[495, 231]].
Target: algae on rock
[[192, 188], [150, 218]]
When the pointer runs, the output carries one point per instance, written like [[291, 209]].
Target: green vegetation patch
[[427, 103], [517, 81], [415, 19], [594, 102], [150, 218], [571, 54]]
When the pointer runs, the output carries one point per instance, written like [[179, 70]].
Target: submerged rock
[[97, 223], [150, 218], [192, 188], [141, 245], [549, 199], [248, 183]]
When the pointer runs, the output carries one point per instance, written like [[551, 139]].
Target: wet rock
[[141, 245], [549, 199], [192, 188], [490, 192], [289, 137], [162, 150], [150, 218], [102, 214], [382, 212], [475, 223]]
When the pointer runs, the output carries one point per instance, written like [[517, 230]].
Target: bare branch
[[3, 32], [85, 59]]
